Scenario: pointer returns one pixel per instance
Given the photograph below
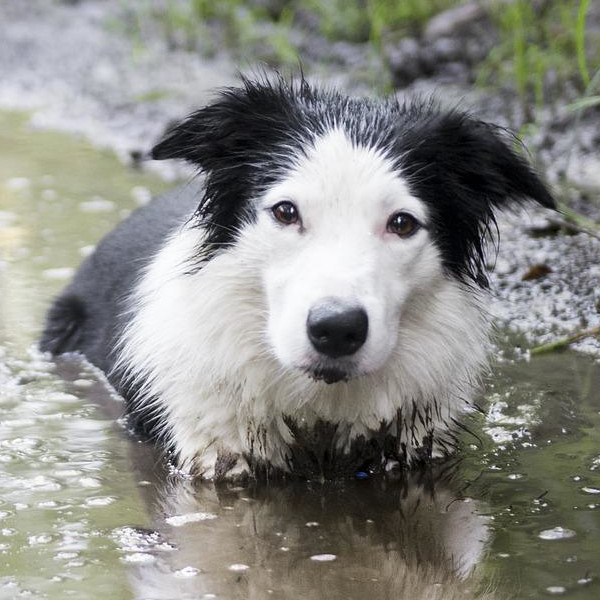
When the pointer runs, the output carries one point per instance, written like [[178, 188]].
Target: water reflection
[[413, 537]]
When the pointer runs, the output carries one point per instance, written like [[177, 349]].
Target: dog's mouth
[[328, 374]]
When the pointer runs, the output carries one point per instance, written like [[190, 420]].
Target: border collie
[[316, 304]]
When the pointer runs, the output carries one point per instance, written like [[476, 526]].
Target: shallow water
[[86, 512]]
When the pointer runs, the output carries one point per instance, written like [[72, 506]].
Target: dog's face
[[354, 210], [345, 245]]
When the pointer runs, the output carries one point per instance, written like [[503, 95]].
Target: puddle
[[87, 513]]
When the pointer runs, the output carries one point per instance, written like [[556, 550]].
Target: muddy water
[[86, 512]]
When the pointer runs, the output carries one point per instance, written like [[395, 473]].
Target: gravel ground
[[66, 64]]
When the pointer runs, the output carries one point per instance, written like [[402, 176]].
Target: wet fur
[[172, 304]]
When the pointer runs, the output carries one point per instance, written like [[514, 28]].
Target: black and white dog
[[317, 302]]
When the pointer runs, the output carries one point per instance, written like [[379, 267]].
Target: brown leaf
[[536, 272]]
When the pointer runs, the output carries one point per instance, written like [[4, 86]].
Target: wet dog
[[316, 303]]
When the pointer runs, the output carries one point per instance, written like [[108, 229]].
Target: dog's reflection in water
[[414, 537]]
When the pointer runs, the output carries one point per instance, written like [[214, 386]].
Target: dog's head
[[354, 210]]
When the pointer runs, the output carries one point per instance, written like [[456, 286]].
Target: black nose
[[336, 329]]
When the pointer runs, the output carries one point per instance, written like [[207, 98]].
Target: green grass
[[542, 47], [373, 20], [260, 30], [580, 41]]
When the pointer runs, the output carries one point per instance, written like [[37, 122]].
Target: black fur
[[462, 168], [90, 314]]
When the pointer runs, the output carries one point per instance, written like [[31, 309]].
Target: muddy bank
[[71, 65]]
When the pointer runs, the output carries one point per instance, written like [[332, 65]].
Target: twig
[[574, 217], [566, 341], [573, 226]]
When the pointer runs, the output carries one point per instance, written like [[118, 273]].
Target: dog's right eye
[[286, 212]]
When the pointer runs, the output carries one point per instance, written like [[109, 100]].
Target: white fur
[[222, 352]]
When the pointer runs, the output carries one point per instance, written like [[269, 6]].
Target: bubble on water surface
[[141, 195], [139, 557], [590, 490], [16, 184], [238, 567], [504, 428], [65, 555], [556, 590], [186, 572], [21, 443], [83, 383], [131, 539], [38, 540], [60, 273], [100, 501], [86, 251], [179, 520], [557, 533], [323, 557], [97, 205], [90, 483], [14, 423], [61, 397], [40, 483]]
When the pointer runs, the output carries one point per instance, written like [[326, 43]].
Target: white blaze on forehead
[[338, 174]]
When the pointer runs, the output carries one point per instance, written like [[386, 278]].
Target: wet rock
[[429, 60], [454, 72], [404, 61], [448, 49], [452, 44], [454, 20]]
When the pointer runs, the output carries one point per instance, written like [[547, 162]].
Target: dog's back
[[90, 313]]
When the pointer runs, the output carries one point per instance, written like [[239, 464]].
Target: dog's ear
[[240, 124], [465, 169], [237, 142]]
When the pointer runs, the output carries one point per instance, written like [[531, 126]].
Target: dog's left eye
[[403, 224], [286, 212]]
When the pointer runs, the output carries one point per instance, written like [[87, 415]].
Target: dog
[[315, 305]]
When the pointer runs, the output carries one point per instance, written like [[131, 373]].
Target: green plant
[[580, 41], [538, 44], [372, 20]]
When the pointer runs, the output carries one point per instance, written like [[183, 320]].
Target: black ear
[[465, 169], [236, 141], [241, 122]]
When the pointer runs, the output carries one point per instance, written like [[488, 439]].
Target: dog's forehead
[[338, 172]]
